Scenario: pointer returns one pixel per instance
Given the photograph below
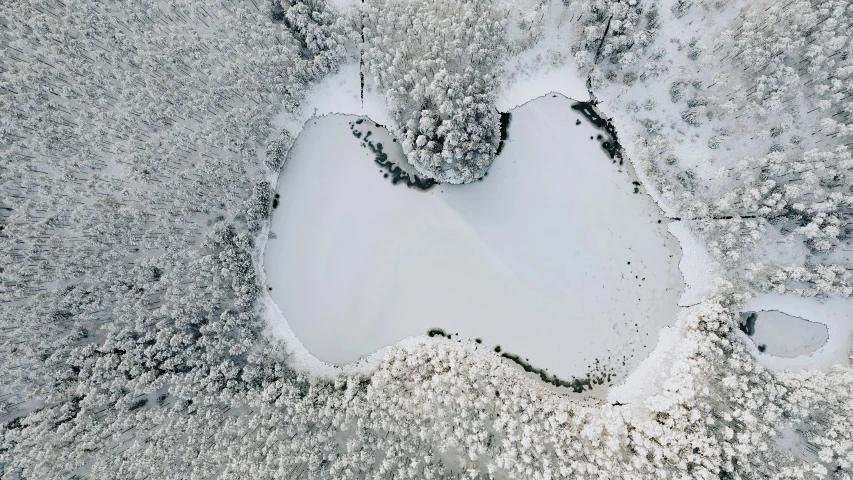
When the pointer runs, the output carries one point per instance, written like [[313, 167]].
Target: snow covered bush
[[439, 63]]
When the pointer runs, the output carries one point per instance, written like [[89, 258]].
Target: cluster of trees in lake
[[136, 148], [439, 66]]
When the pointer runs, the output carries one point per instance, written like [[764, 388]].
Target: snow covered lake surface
[[800, 332], [782, 335], [557, 255]]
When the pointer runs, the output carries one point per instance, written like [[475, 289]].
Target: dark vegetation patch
[[597, 375], [506, 117], [138, 404], [433, 332], [747, 323], [747, 326], [276, 12], [610, 145], [578, 385], [390, 169]]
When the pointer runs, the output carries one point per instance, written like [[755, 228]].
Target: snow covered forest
[[140, 145]]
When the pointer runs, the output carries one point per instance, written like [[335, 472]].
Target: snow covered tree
[[438, 63]]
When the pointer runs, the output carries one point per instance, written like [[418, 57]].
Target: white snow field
[[556, 255]]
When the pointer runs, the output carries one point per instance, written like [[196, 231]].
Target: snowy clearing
[[556, 255], [339, 92]]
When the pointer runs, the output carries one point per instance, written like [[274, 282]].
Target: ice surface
[[835, 313], [553, 256], [783, 335]]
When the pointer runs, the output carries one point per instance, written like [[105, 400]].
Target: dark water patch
[[389, 168], [610, 145]]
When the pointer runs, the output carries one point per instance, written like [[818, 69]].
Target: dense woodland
[[137, 165]]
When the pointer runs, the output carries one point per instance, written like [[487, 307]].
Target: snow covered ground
[[339, 93], [556, 255]]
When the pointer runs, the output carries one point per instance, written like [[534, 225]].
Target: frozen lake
[[556, 255], [792, 332], [782, 335]]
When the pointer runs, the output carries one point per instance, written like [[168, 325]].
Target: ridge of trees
[[438, 64]]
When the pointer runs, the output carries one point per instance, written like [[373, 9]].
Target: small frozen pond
[[556, 255], [799, 332], [782, 335]]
